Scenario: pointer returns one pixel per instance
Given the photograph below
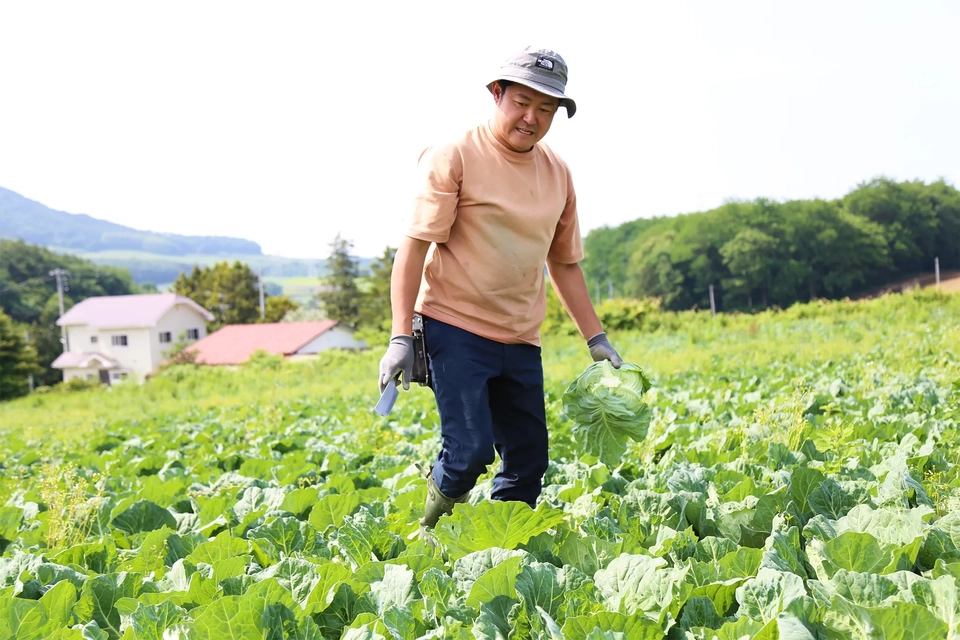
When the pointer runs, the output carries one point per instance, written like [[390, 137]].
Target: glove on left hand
[[601, 349]]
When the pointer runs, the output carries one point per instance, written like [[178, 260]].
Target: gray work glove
[[398, 360], [601, 349]]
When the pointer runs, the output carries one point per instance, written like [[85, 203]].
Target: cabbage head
[[607, 409]]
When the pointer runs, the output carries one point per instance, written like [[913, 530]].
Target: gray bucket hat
[[540, 69]]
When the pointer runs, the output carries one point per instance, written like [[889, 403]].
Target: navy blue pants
[[490, 398]]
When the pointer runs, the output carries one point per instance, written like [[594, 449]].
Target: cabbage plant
[[607, 409]]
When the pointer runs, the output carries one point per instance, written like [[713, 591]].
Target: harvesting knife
[[387, 399]]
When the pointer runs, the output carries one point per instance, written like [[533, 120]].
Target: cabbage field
[[797, 476]]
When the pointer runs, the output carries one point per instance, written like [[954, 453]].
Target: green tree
[[832, 251], [340, 296], [749, 256], [18, 360], [375, 311], [277, 307], [607, 251], [908, 217], [28, 294], [946, 202], [26, 284], [229, 292], [652, 272]]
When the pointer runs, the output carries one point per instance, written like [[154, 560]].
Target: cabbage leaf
[[607, 409]]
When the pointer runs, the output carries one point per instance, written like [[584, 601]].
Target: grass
[[811, 334]]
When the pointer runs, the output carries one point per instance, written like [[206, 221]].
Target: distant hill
[[161, 269], [25, 219], [148, 256]]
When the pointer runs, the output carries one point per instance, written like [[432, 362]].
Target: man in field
[[492, 209]]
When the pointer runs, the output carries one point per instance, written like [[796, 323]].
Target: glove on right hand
[[397, 360]]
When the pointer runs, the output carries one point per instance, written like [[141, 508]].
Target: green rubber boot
[[437, 504]]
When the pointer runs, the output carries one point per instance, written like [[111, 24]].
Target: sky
[[288, 123]]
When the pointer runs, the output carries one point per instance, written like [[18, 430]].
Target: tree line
[[758, 252], [769, 253], [29, 306]]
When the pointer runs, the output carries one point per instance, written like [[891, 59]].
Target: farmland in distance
[[800, 480]]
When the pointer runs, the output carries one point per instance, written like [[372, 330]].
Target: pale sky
[[288, 122]]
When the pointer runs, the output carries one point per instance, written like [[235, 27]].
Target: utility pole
[[60, 275], [598, 292], [936, 270], [713, 305], [610, 289], [26, 341], [262, 311]]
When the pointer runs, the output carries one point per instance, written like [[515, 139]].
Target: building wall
[[180, 318], [70, 374], [93, 373], [78, 338], [135, 358], [336, 338]]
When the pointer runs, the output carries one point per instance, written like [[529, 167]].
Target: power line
[[26, 282], [95, 277]]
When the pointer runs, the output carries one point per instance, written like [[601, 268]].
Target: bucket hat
[[542, 70]]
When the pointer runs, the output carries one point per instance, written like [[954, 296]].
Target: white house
[[113, 337]]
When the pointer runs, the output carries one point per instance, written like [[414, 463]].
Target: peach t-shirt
[[494, 216]]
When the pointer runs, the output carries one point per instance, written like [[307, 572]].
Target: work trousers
[[490, 398]]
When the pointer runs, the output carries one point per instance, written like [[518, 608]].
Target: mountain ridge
[[25, 219]]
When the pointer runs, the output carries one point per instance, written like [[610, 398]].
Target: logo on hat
[[545, 63]]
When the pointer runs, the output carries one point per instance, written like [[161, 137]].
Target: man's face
[[523, 116]]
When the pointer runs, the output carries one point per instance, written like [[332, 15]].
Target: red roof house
[[234, 344]]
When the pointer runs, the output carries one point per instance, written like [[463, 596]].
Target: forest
[[768, 253]]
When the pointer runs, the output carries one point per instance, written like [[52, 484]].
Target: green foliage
[[340, 297], [376, 312], [231, 292], [361, 303], [778, 253], [749, 257], [276, 308], [28, 294], [799, 478], [615, 314], [607, 409], [18, 360]]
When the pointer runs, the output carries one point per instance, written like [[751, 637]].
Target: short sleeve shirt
[[494, 216]]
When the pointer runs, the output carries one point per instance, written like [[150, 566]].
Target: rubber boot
[[436, 505]]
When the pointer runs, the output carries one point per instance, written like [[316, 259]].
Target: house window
[[115, 376], [165, 337], [94, 339], [119, 341], [193, 334]]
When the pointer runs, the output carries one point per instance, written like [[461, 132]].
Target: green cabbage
[[607, 409]]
